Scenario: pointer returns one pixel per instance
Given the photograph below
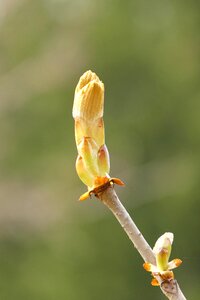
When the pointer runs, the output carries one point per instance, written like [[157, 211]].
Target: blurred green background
[[147, 53]]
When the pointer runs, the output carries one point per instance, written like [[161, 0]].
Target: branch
[[93, 165], [109, 197]]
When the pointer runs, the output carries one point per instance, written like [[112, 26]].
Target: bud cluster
[[93, 163]]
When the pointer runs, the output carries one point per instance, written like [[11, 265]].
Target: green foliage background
[[147, 54]]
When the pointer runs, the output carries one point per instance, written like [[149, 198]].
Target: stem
[[170, 288], [110, 199]]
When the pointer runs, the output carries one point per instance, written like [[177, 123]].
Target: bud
[[89, 98], [82, 172], [93, 163], [162, 250], [103, 160], [88, 150]]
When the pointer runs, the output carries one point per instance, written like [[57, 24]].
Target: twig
[[109, 197]]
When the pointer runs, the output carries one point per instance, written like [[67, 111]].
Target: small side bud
[[103, 160], [88, 151], [162, 270], [82, 172], [162, 250]]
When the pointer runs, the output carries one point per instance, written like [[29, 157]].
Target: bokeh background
[[148, 55]]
